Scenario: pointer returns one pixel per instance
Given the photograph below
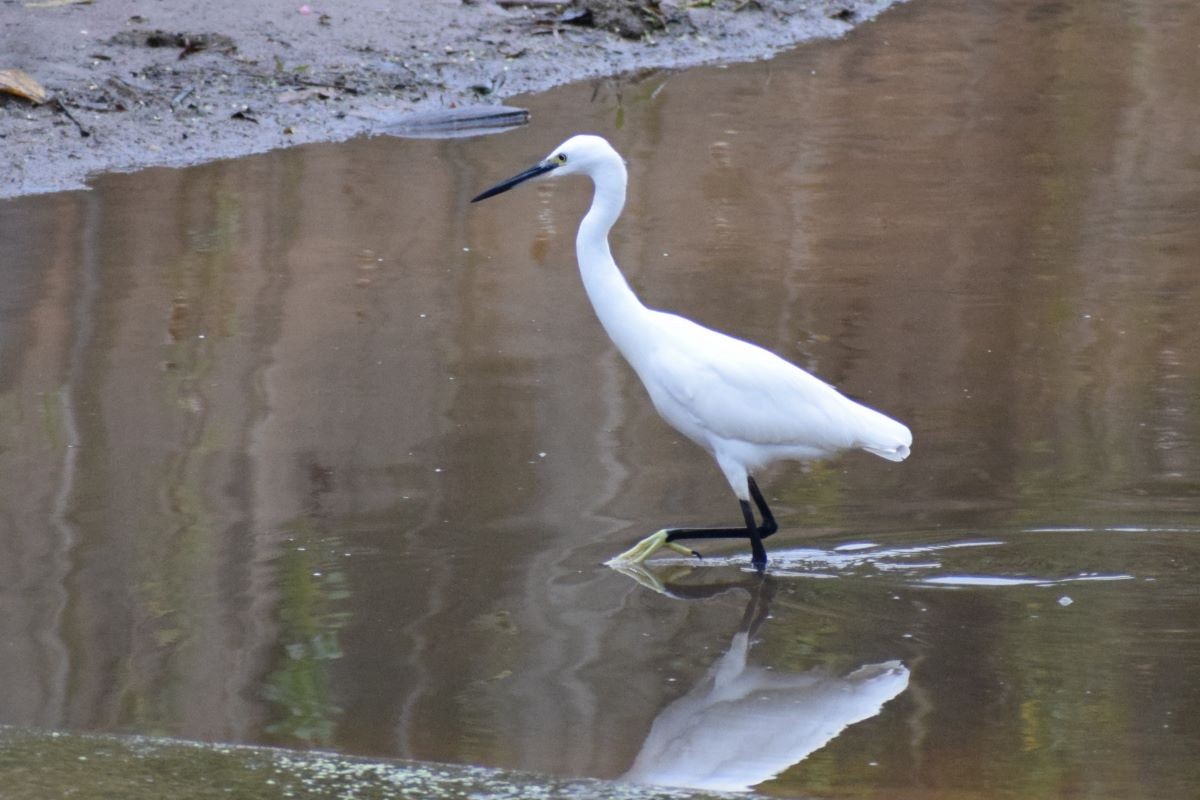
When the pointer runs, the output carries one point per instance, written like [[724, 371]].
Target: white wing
[[705, 381]]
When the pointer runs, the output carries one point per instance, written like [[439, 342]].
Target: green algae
[[39, 765]]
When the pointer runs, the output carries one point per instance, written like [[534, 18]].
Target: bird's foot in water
[[648, 547]]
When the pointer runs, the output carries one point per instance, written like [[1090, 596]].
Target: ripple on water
[[969, 562]]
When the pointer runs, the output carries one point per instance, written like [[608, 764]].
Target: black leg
[[758, 553], [769, 525], [752, 531]]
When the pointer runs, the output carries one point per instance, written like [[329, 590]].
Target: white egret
[[746, 406]]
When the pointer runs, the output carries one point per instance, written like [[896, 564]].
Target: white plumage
[[746, 406]]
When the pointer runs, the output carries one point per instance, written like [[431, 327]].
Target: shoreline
[[173, 84]]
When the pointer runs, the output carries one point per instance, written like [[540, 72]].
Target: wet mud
[[36, 765], [178, 83]]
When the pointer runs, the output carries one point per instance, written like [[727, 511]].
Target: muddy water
[[304, 449]]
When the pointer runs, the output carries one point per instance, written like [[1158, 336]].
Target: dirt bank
[[174, 82]]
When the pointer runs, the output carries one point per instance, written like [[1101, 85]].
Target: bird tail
[[883, 436]]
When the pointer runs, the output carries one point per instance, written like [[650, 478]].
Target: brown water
[[305, 449]]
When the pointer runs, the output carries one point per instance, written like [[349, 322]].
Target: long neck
[[616, 305]]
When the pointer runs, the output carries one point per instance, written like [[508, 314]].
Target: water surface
[[305, 449]]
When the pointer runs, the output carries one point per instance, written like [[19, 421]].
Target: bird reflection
[[743, 724]]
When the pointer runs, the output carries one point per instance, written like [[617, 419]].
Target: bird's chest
[[677, 407]]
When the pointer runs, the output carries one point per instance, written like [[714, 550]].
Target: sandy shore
[[166, 82]]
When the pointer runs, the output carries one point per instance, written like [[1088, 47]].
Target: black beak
[[540, 168]]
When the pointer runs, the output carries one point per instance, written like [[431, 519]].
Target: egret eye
[[562, 158]]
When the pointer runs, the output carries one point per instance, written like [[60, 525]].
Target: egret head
[[584, 154]]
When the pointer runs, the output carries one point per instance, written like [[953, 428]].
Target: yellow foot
[[648, 547]]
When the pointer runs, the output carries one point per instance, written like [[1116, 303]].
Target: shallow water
[[305, 449]]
